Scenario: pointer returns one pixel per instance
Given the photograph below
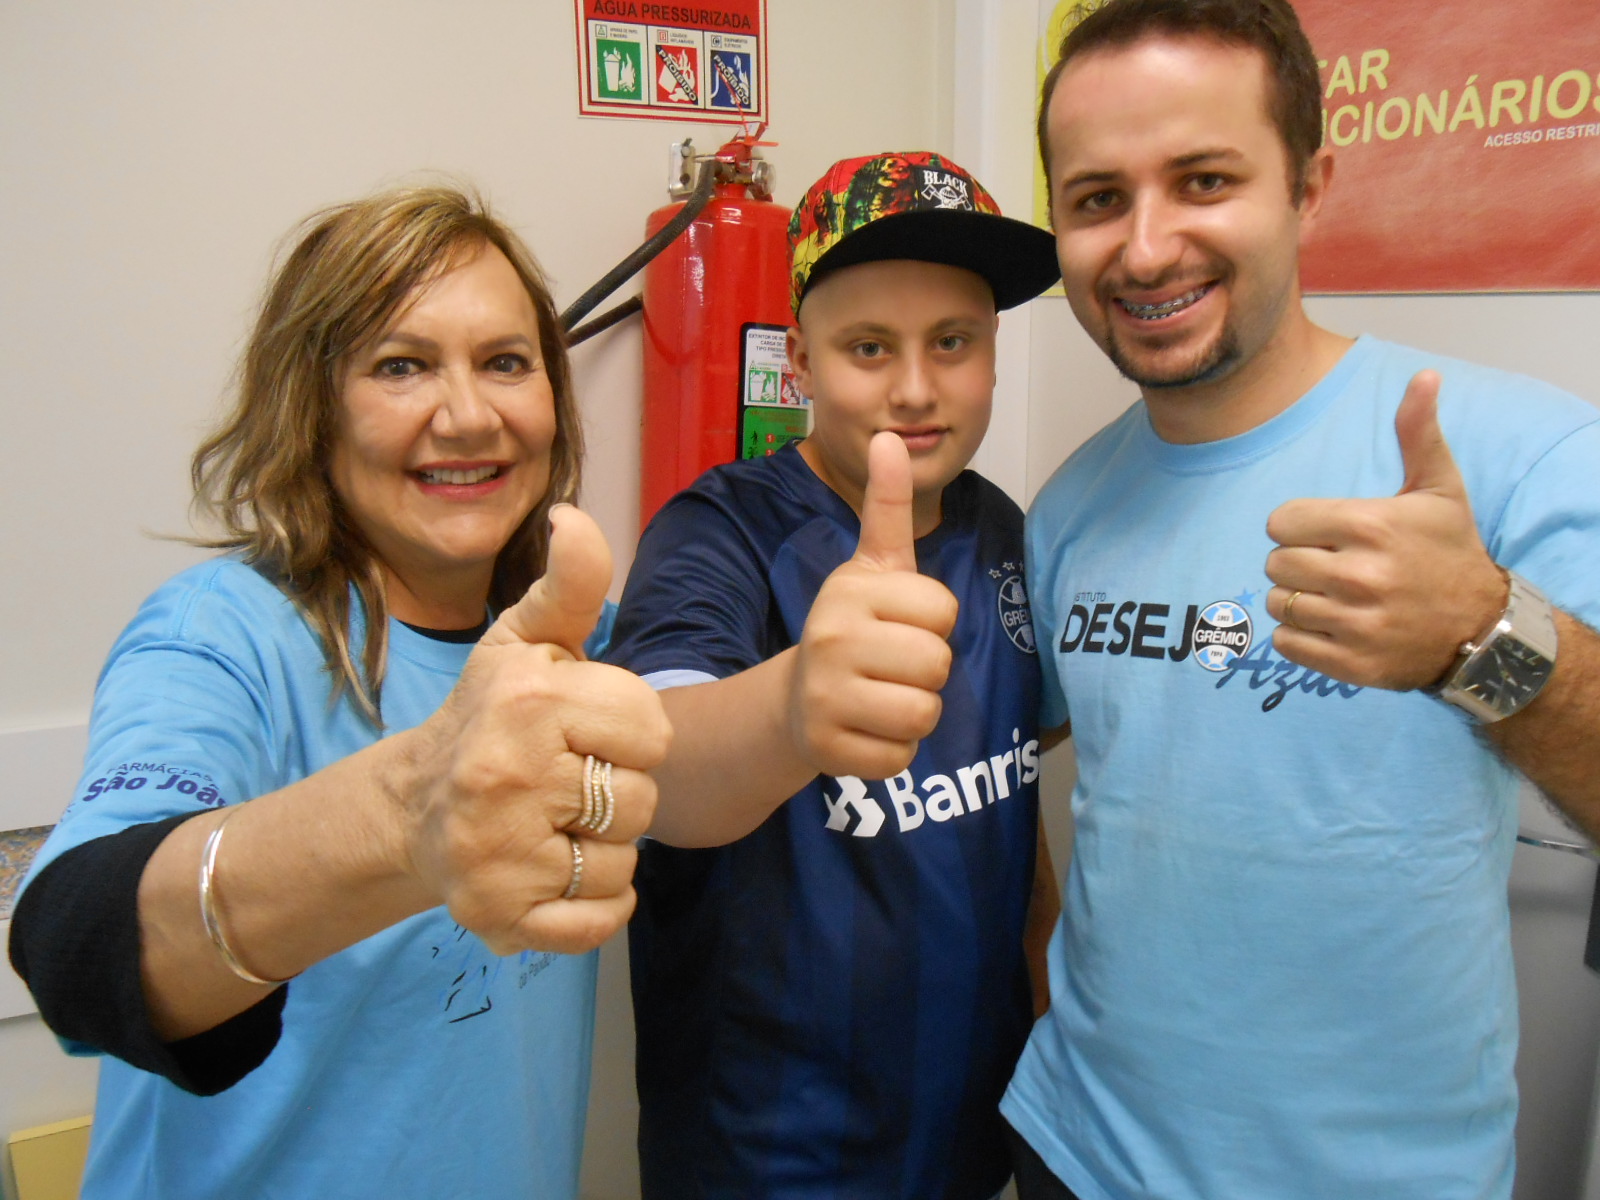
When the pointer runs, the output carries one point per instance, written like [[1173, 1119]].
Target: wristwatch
[[1500, 672]]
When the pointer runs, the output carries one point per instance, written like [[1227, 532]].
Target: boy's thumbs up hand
[[887, 541], [1382, 593], [873, 655]]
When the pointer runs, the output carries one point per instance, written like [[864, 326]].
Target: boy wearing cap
[[829, 977]]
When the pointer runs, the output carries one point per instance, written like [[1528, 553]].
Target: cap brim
[[1017, 259]]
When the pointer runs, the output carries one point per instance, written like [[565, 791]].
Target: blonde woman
[[355, 803]]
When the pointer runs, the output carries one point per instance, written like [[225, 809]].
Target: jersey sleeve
[[181, 723], [175, 729], [697, 598], [184, 717], [1549, 532], [1041, 575]]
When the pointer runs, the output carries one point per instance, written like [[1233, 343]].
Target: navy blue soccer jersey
[[832, 1006]]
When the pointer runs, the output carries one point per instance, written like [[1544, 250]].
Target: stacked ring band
[[586, 814], [576, 881], [599, 800], [609, 809]]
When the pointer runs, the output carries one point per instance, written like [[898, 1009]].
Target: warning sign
[[675, 56], [619, 53], [772, 412], [731, 72], [701, 59]]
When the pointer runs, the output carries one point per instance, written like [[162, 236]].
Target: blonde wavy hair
[[263, 475]]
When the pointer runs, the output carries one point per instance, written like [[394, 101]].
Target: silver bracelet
[[208, 910]]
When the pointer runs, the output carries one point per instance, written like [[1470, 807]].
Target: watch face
[[1507, 674]]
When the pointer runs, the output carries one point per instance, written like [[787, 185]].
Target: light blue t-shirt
[[1283, 967], [414, 1064]]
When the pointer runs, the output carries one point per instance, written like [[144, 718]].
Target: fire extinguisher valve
[[738, 164]]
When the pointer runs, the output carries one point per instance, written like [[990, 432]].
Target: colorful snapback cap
[[920, 206]]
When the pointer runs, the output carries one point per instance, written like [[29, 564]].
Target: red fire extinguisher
[[716, 304]]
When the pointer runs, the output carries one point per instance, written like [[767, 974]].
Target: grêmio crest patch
[[1221, 635], [1016, 618]]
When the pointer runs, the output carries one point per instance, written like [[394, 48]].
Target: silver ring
[[576, 881], [1288, 610]]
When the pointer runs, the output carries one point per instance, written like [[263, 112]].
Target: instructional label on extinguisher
[[772, 412], [702, 59]]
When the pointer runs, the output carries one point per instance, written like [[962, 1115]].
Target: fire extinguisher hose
[[625, 270], [616, 313]]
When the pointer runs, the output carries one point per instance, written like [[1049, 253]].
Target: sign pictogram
[[706, 61]]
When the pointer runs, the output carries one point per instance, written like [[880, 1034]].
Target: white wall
[[150, 157], [154, 154]]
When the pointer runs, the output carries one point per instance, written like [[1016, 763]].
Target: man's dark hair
[[1294, 90]]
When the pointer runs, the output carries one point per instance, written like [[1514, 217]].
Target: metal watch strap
[[1500, 672]]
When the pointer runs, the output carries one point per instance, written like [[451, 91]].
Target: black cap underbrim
[[1017, 259]]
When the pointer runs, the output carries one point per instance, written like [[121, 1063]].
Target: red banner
[[1466, 141]]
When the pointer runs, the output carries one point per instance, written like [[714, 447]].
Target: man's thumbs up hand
[[873, 655], [1429, 465], [1382, 593]]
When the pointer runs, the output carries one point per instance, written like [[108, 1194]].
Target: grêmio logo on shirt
[[1219, 637]]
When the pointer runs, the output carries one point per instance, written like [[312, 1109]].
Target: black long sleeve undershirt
[[75, 943]]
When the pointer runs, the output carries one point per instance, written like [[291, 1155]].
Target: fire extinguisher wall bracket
[[729, 270], [737, 161]]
